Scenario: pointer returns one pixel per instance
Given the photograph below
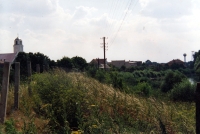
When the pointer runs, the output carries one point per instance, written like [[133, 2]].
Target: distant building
[[127, 64], [175, 61], [118, 63], [99, 63]]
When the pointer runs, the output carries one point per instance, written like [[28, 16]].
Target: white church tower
[[18, 47]]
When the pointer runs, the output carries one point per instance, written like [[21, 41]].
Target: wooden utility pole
[[4, 91], [104, 50], [17, 83], [98, 63], [197, 97]]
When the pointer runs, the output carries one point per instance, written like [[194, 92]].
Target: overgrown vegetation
[[143, 99], [65, 100]]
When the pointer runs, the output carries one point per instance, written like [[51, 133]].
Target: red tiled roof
[[8, 57]]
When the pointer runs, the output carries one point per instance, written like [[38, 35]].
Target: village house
[[127, 64], [175, 61], [99, 63]]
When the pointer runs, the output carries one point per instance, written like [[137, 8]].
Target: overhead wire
[[121, 18], [112, 14], [111, 6], [119, 13], [115, 35]]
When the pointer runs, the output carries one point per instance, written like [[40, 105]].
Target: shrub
[[92, 71], [184, 91], [129, 79], [143, 89], [100, 75], [10, 127], [116, 80], [58, 100], [171, 78]]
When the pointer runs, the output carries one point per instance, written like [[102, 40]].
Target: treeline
[[45, 62]]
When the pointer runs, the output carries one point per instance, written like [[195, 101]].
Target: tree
[[65, 62], [38, 58], [171, 79], [197, 63], [22, 57], [123, 68], [79, 63]]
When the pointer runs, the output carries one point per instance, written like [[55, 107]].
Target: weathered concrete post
[[44, 69], [4, 91], [198, 108], [17, 83], [38, 68], [29, 78], [47, 68]]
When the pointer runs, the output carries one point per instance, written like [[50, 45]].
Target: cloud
[[83, 12], [166, 8], [31, 7], [156, 29]]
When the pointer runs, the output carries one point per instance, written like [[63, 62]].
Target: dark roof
[[95, 61], [8, 57], [176, 61]]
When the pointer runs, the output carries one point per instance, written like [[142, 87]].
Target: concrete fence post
[[198, 108], [29, 78], [48, 68], [38, 68], [4, 91], [44, 69], [17, 83]]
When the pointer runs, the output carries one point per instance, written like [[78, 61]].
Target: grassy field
[[63, 100]]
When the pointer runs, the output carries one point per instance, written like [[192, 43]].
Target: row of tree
[[76, 62]]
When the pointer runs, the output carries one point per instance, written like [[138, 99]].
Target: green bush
[[184, 91], [116, 80], [92, 71], [129, 79], [58, 99], [171, 78], [100, 75], [143, 89], [10, 127]]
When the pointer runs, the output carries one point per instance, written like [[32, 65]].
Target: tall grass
[[65, 100], [100, 108]]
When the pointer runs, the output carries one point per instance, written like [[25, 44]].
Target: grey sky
[[159, 30]]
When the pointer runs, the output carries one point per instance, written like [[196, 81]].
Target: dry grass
[[175, 117], [25, 114]]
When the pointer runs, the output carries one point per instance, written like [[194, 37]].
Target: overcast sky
[[138, 30]]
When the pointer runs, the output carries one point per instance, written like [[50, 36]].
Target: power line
[[112, 16], [122, 22], [126, 7]]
